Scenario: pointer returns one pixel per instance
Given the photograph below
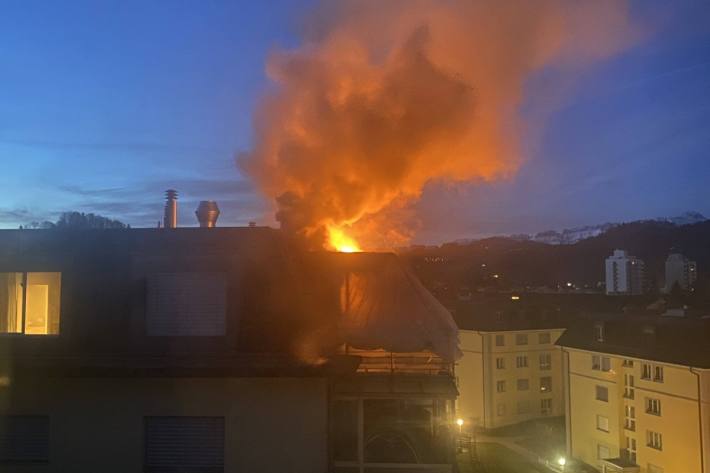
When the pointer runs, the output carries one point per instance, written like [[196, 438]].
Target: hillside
[[504, 263]]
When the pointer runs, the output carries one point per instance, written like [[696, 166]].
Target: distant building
[[637, 394], [624, 274], [681, 270], [510, 371]]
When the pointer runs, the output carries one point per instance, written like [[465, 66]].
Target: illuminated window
[[545, 384], [29, 303]]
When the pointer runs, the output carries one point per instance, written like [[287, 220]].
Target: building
[[680, 270], [637, 393], [221, 350], [511, 370], [624, 274]]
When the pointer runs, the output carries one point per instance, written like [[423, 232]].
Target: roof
[[675, 340], [281, 297]]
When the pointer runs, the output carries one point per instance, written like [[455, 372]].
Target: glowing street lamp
[[459, 422], [562, 461]]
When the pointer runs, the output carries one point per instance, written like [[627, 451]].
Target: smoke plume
[[382, 97]]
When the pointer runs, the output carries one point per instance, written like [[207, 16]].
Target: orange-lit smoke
[[385, 96]]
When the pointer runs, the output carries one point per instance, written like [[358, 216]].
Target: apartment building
[[511, 370], [681, 271], [220, 350], [637, 393], [624, 274]]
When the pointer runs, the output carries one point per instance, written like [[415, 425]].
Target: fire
[[339, 241]]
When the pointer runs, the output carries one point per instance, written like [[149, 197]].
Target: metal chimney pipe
[[170, 217], [207, 213]]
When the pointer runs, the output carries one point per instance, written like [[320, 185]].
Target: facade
[[680, 270], [511, 370], [624, 274], [218, 350], [638, 396]]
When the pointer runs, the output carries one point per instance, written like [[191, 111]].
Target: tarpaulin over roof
[[384, 305]]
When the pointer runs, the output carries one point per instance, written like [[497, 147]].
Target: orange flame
[[339, 241]]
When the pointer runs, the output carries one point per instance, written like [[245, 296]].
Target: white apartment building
[[624, 274], [681, 270]]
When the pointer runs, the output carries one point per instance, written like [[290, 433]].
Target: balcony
[[387, 362]]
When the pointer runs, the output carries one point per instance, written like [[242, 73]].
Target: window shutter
[[24, 439], [184, 444], [186, 304]]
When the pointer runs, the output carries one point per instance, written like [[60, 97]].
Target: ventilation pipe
[[207, 213], [170, 218]]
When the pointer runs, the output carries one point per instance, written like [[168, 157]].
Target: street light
[[459, 422], [562, 461]]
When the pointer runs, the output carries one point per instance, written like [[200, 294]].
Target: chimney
[[170, 218], [207, 213]]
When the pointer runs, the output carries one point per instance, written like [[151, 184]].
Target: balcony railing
[[381, 361]]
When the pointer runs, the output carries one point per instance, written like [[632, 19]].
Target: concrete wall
[[274, 425]]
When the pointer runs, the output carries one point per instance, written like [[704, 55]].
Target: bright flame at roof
[[339, 241]]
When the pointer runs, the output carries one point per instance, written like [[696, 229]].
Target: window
[[523, 385], [631, 449], [602, 393], [186, 304], [653, 406], [629, 386], [24, 439], [606, 363], [628, 363], [545, 406], [521, 339], [29, 303], [599, 332], [189, 444], [601, 363], [545, 361], [658, 374], [654, 440], [500, 409], [500, 340], [543, 338], [629, 418], [603, 423], [500, 386], [500, 363], [521, 361], [652, 372], [603, 452], [545, 384], [523, 407]]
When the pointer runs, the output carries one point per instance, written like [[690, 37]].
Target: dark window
[[24, 439], [184, 444], [602, 393], [345, 430]]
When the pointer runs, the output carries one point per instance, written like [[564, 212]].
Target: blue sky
[[104, 104]]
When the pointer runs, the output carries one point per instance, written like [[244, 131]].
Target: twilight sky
[[104, 105]]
